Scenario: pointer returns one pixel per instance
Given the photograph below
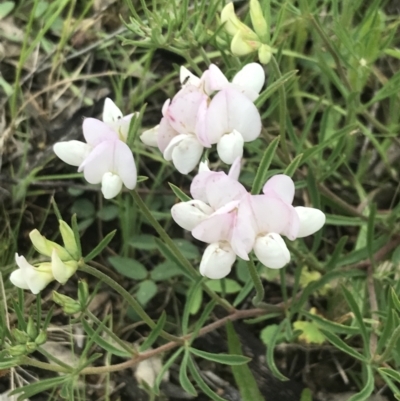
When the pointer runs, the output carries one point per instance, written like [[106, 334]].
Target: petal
[[72, 152], [217, 261], [38, 280], [230, 147], [187, 154], [203, 166], [18, 278], [99, 162], [217, 227], [311, 220], [201, 127], [214, 80], [191, 213], [199, 184], [272, 251], [62, 271], [231, 110], [281, 186], [165, 134], [221, 189], [124, 164], [111, 113], [187, 78], [234, 171], [111, 185], [95, 131], [121, 126], [149, 137], [251, 76], [240, 45]]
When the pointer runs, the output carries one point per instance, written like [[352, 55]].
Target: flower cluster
[[105, 157], [206, 111], [234, 222], [63, 263]]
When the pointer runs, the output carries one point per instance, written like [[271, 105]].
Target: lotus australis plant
[[105, 157], [206, 111], [233, 222]]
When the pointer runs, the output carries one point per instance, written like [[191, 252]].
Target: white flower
[[217, 260]]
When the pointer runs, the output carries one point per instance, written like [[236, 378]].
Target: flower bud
[[69, 305], [240, 46], [31, 346], [31, 329], [20, 336], [17, 350], [233, 25], [69, 241], [258, 21], [62, 271], [45, 247], [41, 338]]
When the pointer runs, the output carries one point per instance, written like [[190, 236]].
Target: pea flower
[[61, 267], [105, 157], [245, 40], [233, 222]]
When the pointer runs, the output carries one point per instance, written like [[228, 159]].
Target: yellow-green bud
[[233, 25], [62, 271], [241, 46], [258, 21], [20, 336], [31, 346], [17, 350], [31, 329], [264, 54], [45, 247], [68, 237], [69, 305], [41, 338]]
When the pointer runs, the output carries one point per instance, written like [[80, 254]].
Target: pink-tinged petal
[[182, 112], [124, 164], [221, 190], [95, 131], [217, 260], [191, 213], [244, 230], [217, 227], [72, 152], [281, 186], [185, 152], [272, 251], [230, 147], [292, 230], [187, 78], [201, 127], [251, 76], [271, 214], [311, 220], [111, 185], [214, 80], [99, 162], [234, 171], [149, 137], [231, 110], [165, 134], [199, 184], [165, 106], [111, 113]]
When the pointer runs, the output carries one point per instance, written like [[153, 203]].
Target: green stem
[[392, 343], [257, 300], [175, 250], [127, 296], [282, 110], [282, 273]]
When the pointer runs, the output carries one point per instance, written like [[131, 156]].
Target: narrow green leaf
[[147, 290], [99, 248], [270, 353], [262, 170], [203, 318], [75, 229], [179, 193], [368, 388], [340, 344], [164, 369], [292, 167], [306, 395], [201, 383], [128, 267], [332, 326], [183, 377], [190, 299], [331, 264], [154, 333], [244, 378], [394, 374], [395, 299], [371, 231], [38, 387], [225, 359]]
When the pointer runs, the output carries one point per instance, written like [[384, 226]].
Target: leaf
[[154, 333], [143, 241], [188, 249], [267, 334], [270, 353], [6, 8], [179, 193], [368, 388], [38, 387], [262, 170], [108, 213], [147, 290], [83, 208], [231, 286], [292, 167], [128, 267], [164, 369], [165, 271], [183, 377], [306, 395], [331, 326], [310, 332], [243, 376], [100, 247], [193, 302], [394, 374], [225, 359]]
